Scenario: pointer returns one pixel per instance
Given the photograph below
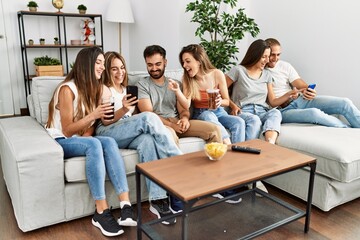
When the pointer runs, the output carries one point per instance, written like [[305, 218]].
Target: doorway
[[6, 96]]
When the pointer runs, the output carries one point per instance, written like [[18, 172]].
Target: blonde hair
[[200, 55], [107, 78]]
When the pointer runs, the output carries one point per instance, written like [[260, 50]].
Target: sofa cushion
[[336, 149], [75, 167], [42, 89]]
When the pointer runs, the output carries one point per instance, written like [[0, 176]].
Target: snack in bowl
[[215, 151]]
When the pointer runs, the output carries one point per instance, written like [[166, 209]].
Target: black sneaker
[[176, 205], [127, 216], [107, 223], [161, 209]]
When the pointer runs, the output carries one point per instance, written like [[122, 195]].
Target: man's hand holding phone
[[310, 92]]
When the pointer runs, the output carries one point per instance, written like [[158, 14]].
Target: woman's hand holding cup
[[214, 98], [109, 110]]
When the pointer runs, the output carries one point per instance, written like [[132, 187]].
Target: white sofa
[[337, 151], [45, 189]]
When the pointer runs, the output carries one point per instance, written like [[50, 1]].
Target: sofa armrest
[[33, 169]]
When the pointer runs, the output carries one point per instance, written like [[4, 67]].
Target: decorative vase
[[31, 42], [58, 4], [82, 11], [32, 9], [42, 42]]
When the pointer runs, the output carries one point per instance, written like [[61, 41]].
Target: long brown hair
[[88, 86], [200, 55], [254, 53], [107, 79]]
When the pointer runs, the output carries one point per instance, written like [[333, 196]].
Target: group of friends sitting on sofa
[[265, 92]]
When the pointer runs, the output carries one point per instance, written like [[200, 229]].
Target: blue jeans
[[253, 125], [319, 110], [221, 118], [270, 118], [102, 156], [147, 134]]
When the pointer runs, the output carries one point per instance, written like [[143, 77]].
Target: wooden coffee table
[[191, 177]]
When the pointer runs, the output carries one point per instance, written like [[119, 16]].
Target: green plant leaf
[[46, 61], [220, 31]]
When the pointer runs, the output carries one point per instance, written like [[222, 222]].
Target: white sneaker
[[261, 186], [127, 217], [233, 200]]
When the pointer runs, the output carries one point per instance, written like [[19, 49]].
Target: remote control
[[246, 149]]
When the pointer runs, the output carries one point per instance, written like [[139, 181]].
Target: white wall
[[319, 38], [315, 36], [163, 23]]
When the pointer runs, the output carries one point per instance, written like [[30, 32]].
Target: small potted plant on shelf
[[42, 41], [56, 41], [32, 5], [31, 42], [82, 9], [48, 66]]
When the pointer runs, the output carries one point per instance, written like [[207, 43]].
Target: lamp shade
[[119, 11]]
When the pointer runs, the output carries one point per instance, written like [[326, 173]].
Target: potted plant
[[48, 66], [56, 40], [82, 9], [42, 41], [220, 31], [31, 42], [32, 5]]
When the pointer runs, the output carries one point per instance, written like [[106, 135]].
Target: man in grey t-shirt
[[159, 94]]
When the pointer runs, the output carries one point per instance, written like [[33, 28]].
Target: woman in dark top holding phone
[[152, 141]]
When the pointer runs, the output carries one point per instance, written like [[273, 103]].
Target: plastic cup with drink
[[109, 100], [212, 95]]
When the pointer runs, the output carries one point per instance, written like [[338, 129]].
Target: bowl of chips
[[215, 151]]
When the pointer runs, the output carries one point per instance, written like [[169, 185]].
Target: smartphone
[[133, 90], [312, 86]]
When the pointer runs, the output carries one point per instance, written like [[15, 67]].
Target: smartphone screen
[[312, 86], [133, 90]]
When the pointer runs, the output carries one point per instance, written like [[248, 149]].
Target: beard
[[157, 74]]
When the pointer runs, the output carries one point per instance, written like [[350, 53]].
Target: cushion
[[42, 89], [75, 167], [336, 149]]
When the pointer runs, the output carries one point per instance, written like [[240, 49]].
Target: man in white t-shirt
[[306, 106]]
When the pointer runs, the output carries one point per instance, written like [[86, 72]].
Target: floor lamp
[[119, 11]]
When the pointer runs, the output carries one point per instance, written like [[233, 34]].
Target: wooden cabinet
[[63, 45]]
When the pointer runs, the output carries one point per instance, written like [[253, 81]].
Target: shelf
[[62, 46], [63, 49], [44, 46], [58, 14], [83, 46]]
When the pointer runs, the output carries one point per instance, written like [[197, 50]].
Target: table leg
[[185, 216], [310, 194], [138, 203]]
